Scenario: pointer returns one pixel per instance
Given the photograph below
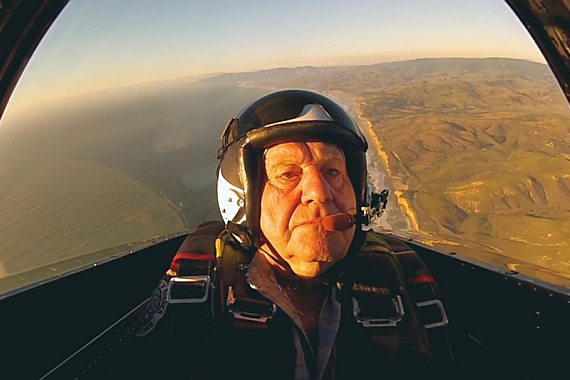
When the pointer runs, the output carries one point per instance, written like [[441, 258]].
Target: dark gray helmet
[[282, 116]]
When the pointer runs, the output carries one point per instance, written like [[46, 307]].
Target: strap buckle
[[250, 309], [395, 313], [188, 289], [432, 314]]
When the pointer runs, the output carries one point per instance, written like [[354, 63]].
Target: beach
[[399, 214]]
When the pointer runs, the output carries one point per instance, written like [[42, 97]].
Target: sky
[[97, 45]]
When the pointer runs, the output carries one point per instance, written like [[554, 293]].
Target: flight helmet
[[279, 117]]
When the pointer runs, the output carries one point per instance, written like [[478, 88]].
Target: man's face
[[306, 181]]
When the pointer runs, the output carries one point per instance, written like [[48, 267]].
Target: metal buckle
[[444, 321], [253, 316], [188, 289], [380, 322]]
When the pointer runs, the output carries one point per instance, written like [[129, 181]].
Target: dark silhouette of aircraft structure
[[509, 325]]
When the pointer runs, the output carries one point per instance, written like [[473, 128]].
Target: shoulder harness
[[390, 302]]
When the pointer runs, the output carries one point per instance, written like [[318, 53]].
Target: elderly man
[[297, 288]]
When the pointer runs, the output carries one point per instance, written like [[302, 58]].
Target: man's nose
[[315, 187]]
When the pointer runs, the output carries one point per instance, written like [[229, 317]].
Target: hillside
[[479, 148]]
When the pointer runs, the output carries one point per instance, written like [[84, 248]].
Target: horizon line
[[198, 77]]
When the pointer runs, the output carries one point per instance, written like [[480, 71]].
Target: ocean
[[87, 174]]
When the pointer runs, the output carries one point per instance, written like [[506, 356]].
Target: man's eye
[[333, 172], [287, 175]]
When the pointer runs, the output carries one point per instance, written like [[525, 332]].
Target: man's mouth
[[310, 221], [332, 223]]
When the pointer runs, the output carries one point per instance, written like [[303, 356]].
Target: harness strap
[[190, 313], [248, 307], [424, 290], [381, 324], [397, 345], [249, 326]]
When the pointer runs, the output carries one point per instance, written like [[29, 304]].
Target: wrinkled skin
[[305, 181]]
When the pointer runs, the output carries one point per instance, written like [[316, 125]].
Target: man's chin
[[311, 269], [314, 247]]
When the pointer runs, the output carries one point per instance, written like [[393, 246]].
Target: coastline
[[399, 212]]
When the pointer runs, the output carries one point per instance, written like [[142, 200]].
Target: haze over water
[[474, 151], [111, 169]]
